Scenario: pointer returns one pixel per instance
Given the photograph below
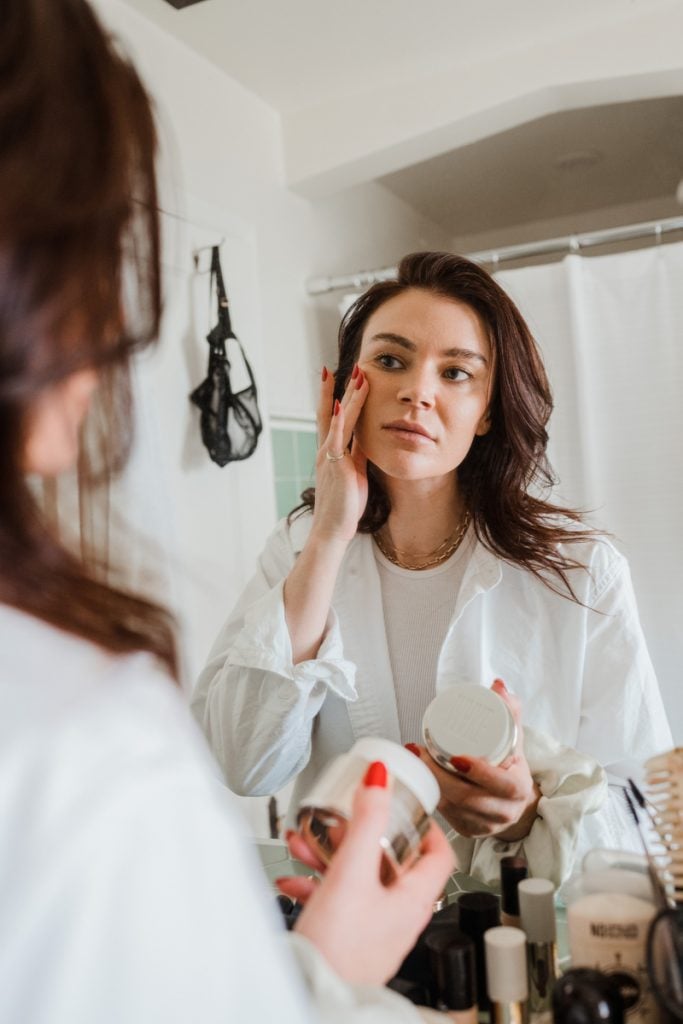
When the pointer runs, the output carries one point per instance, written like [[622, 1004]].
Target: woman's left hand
[[486, 800]]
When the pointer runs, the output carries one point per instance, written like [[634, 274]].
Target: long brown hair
[[79, 263], [502, 465]]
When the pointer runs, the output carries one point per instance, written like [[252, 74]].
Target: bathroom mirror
[[321, 142]]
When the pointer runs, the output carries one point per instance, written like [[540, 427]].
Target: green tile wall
[[294, 454]]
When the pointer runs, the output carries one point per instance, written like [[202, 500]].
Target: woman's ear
[[484, 425]]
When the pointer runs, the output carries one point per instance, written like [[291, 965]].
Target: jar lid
[[469, 720], [407, 768]]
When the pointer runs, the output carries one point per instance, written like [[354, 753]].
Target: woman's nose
[[417, 391]]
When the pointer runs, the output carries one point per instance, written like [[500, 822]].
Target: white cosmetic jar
[[468, 720], [326, 809]]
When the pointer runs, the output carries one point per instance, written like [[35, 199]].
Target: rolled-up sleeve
[[254, 704]]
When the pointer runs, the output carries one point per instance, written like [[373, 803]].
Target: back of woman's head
[[79, 263], [77, 195]]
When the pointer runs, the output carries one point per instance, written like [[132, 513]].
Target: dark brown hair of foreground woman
[[77, 144], [503, 464]]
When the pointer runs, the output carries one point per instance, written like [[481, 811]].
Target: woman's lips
[[410, 432]]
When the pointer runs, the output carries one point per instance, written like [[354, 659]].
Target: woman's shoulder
[[590, 561], [65, 693]]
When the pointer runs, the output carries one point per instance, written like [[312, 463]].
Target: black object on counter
[[416, 968], [479, 911], [453, 969], [585, 996], [413, 991], [513, 870]]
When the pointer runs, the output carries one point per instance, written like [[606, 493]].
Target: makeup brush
[[664, 790], [658, 887]]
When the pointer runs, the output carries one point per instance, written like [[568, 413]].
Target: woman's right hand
[[364, 928], [341, 485]]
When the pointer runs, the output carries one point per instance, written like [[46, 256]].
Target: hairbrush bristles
[[664, 787]]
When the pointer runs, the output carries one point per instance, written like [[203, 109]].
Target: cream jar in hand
[[468, 721], [326, 809]]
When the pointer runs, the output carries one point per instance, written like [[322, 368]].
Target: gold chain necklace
[[441, 554]]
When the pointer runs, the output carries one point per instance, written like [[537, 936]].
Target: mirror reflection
[[393, 501]]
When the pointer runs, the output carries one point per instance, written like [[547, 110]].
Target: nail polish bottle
[[479, 911], [454, 976], [537, 911], [506, 976], [512, 871]]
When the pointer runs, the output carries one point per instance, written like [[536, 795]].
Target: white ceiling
[[344, 74], [302, 53], [556, 166]]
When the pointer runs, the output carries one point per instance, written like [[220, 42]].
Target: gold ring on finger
[[334, 458]]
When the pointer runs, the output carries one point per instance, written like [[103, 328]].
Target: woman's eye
[[455, 373], [389, 362]]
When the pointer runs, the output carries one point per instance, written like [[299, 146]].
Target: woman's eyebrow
[[451, 353]]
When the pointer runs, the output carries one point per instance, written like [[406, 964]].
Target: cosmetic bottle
[[619, 880], [537, 911], [512, 871], [506, 976], [478, 912], [468, 720], [585, 996], [454, 977], [326, 809], [608, 932]]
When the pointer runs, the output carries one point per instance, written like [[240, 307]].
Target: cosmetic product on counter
[[608, 931], [620, 880], [512, 871], [601, 858], [506, 976], [585, 996], [454, 976], [478, 912], [537, 912], [468, 720], [416, 966], [326, 809]]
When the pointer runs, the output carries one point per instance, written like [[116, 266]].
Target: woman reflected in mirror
[[430, 554]]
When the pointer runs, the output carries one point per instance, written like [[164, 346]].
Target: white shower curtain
[[611, 331]]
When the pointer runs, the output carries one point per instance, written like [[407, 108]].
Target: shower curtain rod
[[550, 246]]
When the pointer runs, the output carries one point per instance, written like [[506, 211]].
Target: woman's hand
[[484, 800], [363, 928], [341, 485]]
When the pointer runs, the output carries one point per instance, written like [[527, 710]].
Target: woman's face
[[52, 434], [428, 364]]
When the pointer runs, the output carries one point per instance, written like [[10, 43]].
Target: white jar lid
[[415, 775], [469, 720]]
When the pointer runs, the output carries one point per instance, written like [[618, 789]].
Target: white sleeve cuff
[[264, 643]]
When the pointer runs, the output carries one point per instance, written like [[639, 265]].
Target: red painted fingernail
[[376, 775], [354, 372], [324, 373], [502, 684], [461, 764], [413, 748], [360, 380], [337, 406]]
